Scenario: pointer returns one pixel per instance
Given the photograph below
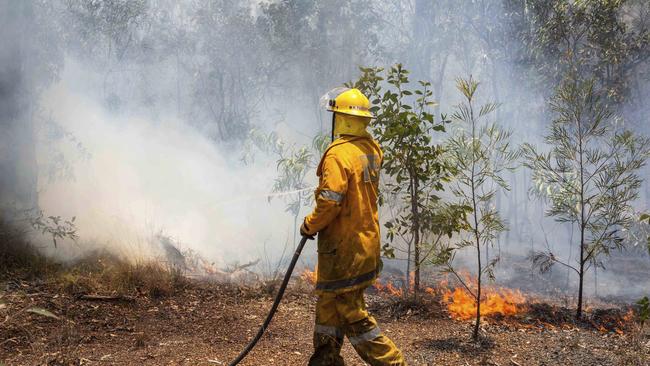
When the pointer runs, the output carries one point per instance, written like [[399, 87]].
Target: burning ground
[[85, 319]]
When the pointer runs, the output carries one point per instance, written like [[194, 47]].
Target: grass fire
[[303, 182], [500, 301]]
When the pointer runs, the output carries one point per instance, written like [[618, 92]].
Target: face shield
[[325, 100]]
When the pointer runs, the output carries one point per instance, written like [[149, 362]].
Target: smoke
[[132, 178], [140, 123]]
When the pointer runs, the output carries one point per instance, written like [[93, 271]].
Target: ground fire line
[[460, 303], [504, 305]]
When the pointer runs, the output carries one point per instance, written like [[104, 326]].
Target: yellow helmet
[[351, 102]]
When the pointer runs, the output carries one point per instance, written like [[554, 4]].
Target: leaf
[[388, 251], [42, 312]]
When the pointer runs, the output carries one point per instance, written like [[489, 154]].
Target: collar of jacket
[[340, 141]]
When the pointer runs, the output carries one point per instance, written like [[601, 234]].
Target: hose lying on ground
[[276, 302]]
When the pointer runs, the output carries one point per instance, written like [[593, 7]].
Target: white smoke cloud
[[142, 177]]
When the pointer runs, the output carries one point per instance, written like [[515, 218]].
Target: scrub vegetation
[[589, 177], [482, 151], [148, 148], [415, 170]]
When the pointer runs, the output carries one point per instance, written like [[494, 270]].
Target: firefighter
[[347, 223]]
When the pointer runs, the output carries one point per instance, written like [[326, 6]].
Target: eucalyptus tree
[[610, 40], [107, 36], [589, 175], [314, 45], [481, 151], [405, 128]]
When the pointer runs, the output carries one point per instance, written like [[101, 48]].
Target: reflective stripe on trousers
[[345, 314], [365, 337], [337, 333], [328, 330]]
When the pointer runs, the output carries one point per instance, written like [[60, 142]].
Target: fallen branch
[[114, 298], [240, 267]]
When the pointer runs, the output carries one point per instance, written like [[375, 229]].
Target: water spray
[[274, 307]]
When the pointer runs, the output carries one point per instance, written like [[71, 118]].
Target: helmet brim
[[351, 112]]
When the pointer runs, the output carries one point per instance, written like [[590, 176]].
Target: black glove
[[305, 232]]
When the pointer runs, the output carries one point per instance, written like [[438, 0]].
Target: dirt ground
[[208, 324]]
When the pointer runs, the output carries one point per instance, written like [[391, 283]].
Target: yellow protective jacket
[[345, 216]]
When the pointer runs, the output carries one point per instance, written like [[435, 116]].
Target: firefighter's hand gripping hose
[[276, 302]]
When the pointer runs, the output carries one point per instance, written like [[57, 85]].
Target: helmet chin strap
[[333, 126]]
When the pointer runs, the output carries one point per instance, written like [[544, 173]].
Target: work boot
[[326, 351]]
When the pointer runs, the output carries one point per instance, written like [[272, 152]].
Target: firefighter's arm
[[331, 192]]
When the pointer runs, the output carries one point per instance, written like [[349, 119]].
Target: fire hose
[[276, 302]]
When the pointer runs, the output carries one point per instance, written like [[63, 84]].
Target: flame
[[459, 301], [461, 304], [623, 322], [308, 276], [388, 288], [628, 316]]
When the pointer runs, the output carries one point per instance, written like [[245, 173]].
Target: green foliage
[[54, 226], [293, 164], [605, 40], [312, 41], [643, 312], [481, 152], [405, 127], [589, 176]]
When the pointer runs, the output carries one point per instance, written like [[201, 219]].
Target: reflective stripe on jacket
[[346, 216]]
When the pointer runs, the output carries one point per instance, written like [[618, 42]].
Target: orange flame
[[628, 316], [461, 304], [308, 276], [388, 288]]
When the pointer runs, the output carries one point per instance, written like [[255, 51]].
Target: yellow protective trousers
[[345, 314]]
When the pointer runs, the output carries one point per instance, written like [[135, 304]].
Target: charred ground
[[189, 322]]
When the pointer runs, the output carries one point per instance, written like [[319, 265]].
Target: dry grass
[[150, 278], [102, 273], [97, 273]]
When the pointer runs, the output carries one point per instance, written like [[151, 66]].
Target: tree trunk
[[475, 229], [581, 273], [439, 84], [583, 224], [416, 236], [477, 323], [580, 289], [408, 271], [480, 268], [18, 168]]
